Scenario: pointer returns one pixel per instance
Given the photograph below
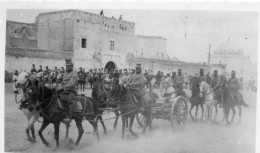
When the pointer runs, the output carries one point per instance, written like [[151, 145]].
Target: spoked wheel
[[141, 119], [179, 113]]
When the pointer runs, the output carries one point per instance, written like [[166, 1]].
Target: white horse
[[23, 82], [207, 93]]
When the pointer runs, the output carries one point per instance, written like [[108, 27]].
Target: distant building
[[233, 57]]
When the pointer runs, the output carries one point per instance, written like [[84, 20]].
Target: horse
[[59, 79], [230, 103], [163, 85], [24, 81], [195, 99], [81, 81], [123, 98], [52, 78], [100, 96], [90, 80], [52, 111], [209, 98]]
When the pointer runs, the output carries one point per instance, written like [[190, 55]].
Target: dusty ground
[[197, 137]]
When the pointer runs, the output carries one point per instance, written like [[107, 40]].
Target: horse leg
[[196, 114], [123, 126], [227, 110], [67, 131], [126, 122], [191, 107], [206, 113], [202, 109], [102, 122], [116, 120], [234, 113], [44, 125], [57, 133], [33, 133], [80, 130], [32, 121], [216, 112], [239, 113], [132, 117]]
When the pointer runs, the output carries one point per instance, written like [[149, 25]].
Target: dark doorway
[[110, 66]]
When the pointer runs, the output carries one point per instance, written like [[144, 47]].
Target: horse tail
[[244, 103]]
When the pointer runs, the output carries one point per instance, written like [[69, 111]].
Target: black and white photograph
[[129, 77]]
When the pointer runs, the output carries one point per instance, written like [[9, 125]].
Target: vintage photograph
[[130, 80]]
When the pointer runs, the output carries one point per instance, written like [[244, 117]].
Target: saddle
[[79, 103]]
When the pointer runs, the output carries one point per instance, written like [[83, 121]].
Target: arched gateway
[[110, 65]]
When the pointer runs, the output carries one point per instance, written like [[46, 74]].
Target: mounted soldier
[[40, 69], [216, 86], [62, 70], [69, 85], [137, 84], [234, 86], [33, 70], [202, 77], [178, 83]]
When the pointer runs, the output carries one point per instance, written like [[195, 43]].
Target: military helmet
[[68, 61]]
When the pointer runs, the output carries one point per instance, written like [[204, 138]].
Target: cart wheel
[[141, 119], [179, 112]]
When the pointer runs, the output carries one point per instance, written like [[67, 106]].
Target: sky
[[188, 33]]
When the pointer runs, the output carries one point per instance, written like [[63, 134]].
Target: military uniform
[[178, 84], [137, 84], [215, 84], [69, 84], [233, 84], [40, 69]]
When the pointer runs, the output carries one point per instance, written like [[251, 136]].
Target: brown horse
[[100, 96], [195, 99], [230, 103], [122, 97], [52, 112]]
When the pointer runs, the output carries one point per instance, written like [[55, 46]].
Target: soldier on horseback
[[69, 85], [137, 84], [33, 70], [215, 84], [178, 83], [40, 69], [202, 77], [62, 70], [234, 86]]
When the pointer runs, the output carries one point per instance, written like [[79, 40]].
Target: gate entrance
[[110, 66]]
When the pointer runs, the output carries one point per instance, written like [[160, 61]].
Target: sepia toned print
[[130, 81]]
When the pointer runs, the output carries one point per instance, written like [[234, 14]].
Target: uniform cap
[[201, 70], [179, 70], [138, 66], [68, 61]]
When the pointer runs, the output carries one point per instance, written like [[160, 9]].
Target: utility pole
[[209, 54]]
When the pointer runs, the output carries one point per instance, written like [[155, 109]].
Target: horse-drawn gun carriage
[[173, 108]]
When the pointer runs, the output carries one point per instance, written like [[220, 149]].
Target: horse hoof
[[47, 144]]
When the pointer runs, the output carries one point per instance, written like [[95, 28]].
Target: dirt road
[[197, 137]]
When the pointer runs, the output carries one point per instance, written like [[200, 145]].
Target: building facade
[[91, 40]]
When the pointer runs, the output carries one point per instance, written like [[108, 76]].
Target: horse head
[[203, 88], [22, 80]]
